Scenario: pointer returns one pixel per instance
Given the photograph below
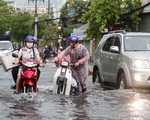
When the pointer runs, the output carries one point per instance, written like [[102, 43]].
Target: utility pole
[[36, 19], [49, 9], [67, 35]]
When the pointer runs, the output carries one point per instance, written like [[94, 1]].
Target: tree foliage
[[5, 14], [78, 7], [22, 25], [42, 25], [50, 33], [105, 14]]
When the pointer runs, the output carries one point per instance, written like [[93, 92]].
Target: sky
[[23, 3], [40, 2]]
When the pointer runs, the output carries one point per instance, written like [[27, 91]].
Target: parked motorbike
[[63, 82], [28, 82]]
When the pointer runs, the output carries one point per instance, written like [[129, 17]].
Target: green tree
[[5, 14], [104, 14], [51, 33], [22, 24], [71, 21], [42, 25]]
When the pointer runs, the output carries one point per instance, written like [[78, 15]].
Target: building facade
[[144, 25]]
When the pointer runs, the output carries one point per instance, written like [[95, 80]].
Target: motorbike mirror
[[14, 55]]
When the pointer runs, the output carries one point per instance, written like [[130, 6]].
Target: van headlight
[[138, 77], [140, 64]]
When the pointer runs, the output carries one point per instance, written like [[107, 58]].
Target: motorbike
[[45, 59], [63, 82], [28, 80]]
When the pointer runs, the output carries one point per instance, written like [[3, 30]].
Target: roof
[[130, 34]]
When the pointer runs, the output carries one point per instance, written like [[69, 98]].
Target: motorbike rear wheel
[[28, 89]]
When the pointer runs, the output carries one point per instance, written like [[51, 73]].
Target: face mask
[[29, 45]]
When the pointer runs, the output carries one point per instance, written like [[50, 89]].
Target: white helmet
[[60, 47]]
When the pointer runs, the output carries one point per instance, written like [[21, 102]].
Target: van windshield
[[137, 43], [5, 46]]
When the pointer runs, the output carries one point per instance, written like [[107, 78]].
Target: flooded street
[[95, 104]]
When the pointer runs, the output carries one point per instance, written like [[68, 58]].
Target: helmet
[[46, 46], [30, 38], [73, 38], [35, 40], [60, 47]]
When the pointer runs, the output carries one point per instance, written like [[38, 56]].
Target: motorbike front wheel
[[61, 88]]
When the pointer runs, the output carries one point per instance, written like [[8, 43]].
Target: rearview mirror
[[14, 55], [114, 49]]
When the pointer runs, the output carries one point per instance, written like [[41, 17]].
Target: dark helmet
[[73, 38], [30, 38]]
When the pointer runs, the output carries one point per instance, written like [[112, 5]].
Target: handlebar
[[64, 63], [29, 63]]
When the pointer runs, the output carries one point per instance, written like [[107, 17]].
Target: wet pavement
[[95, 104]]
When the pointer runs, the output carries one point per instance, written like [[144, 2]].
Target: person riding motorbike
[[60, 50], [46, 52], [79, 57], [28, 52]]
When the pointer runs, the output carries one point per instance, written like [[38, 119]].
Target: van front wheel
[[96, 77], [122, 82]]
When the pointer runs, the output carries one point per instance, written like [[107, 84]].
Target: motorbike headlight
[[140, 64], [65, 64]]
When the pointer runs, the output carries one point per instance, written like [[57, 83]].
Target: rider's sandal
[[13, 87], [84, 89], [16, 92]]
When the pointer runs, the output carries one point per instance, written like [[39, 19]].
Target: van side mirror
[[114, 49]]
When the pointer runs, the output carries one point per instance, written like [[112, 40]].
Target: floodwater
[[95, 104]]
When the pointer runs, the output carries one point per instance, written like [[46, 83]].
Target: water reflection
[[139, 107], [24, 111], [81, 105]]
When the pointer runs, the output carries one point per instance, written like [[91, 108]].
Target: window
[[137, 43], [109, 42], [117, 42]]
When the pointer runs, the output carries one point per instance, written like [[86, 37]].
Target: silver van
[[5, 47], [122, 60]]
